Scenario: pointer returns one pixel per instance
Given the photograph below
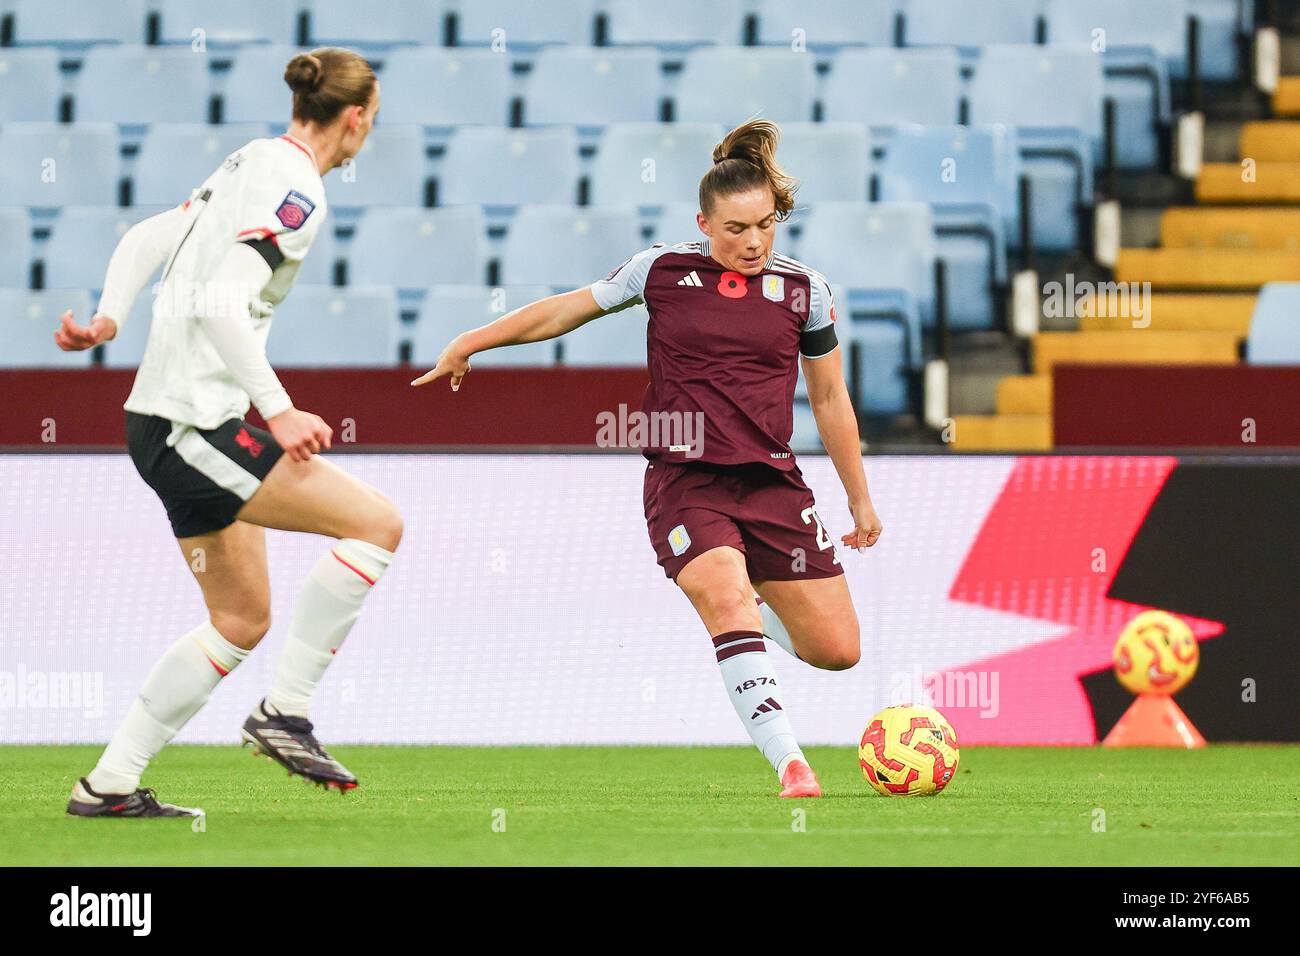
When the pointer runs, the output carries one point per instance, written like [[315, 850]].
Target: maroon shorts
[[766, 514]]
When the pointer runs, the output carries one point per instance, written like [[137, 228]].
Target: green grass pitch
[[1224, 805]]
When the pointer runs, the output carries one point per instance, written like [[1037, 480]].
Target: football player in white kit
[[228, 255]]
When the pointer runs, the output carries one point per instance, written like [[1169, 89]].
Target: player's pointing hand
[[450, 362]]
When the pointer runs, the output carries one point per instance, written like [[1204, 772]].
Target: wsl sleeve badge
[[294, 210]]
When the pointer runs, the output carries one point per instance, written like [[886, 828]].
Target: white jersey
[[268, 194]]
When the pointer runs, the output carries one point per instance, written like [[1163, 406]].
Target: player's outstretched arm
[[838, 426], [546, 318], [139, 254]]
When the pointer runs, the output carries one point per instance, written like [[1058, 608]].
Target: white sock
[[751, 684], [327, 607], [175, 690], [774, 630]]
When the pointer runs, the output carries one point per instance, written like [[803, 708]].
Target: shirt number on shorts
[[810, 516]]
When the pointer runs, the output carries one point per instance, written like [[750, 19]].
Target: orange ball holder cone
[[1154, 720]]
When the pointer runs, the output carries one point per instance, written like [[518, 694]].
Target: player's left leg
[[814, 619]]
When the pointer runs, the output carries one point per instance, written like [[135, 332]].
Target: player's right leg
[[315, 496], [717, 584], [230, 567]]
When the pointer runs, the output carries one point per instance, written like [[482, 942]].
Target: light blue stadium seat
[[35, 73], [126, 349], [840, 295], [729, 85], [884, 88], [617, 339], [318, 267], [566, 246], [675, 22], [444, 87], [390, 170], [78, 22], [676, 223], [652, 164], [343, 23], [832, 161], [507, 167], [969, 177], [593, 86], [1053, 98], [1220, 25], [254, 90], [231, 21], [137, 84], [827, 23], [82, 240], [323, 326], [1144, 43], [525, 23], [1274, 337], [961, 23], [883, 390], [449, 310], [16, 241], [175, 158], [411, 248], [804, 438], [49, 165], [30, 320], [884, 255]]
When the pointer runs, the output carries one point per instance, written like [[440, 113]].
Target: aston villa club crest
[[774, 288], [679, 540], [294, 210]]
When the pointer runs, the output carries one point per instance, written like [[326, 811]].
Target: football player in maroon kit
[[727, 508]]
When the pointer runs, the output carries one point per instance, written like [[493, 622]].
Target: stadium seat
[[1218, 269], [617, 339], [652, 164], [884, 88], [1130, 347], [323, 326], [445, 87], [231, 21], [30, 321], [589, 87], [75, 23], [969, 177], [675, 22], [126, 349], [729, 85], [36, 73], [318, 267], [1024, 395], [175, 158], [884, 255], [1053, 98], [827, 23], [525, 22], [343, 23], [507, 167], [136, 84], [1217, 53], [1271, 183], [1174, 312], [1271, 141], [1144, 43], [832, 161], [448, 310], [390, 170], [676, 223], [49, 165], [16, 241], [1274, 337], [1286, 98], [412, 248], [254, 90], [960, 23], [568, 247], [82, 240], [1230, 228], [1001, 433]]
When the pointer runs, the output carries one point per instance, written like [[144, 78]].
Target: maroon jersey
[[723, 350]]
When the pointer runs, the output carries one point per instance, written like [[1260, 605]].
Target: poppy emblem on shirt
[[774, 288], [733, 285], [294, 210]]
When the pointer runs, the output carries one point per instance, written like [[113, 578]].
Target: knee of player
[[842, 657], [732, 608], [245, 627], [382, 524]]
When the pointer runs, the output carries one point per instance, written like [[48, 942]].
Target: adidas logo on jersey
[[692, 280]]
